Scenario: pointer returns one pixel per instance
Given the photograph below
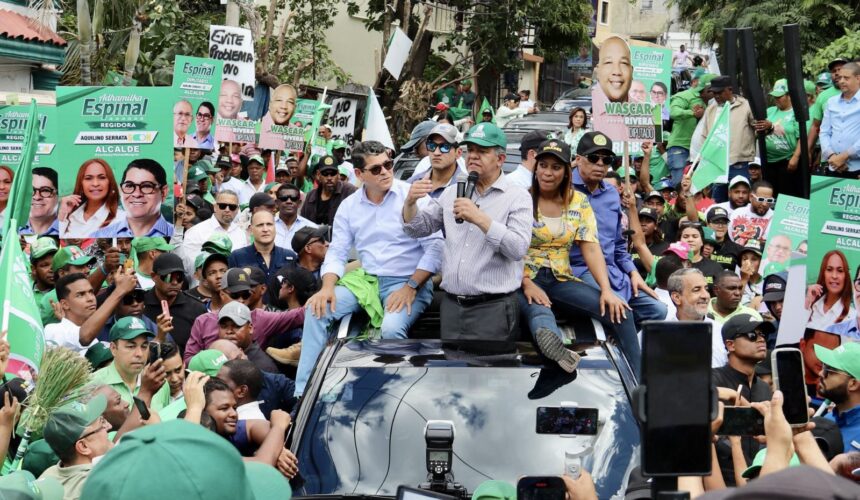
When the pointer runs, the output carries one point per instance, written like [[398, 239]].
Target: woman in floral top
[[564, 217]]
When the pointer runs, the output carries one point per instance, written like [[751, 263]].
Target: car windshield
[[365, 433]]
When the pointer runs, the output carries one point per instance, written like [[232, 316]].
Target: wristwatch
[[412, 284]]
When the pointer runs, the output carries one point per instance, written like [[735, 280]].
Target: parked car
[[680, 80], [548, 120], [573, 98]]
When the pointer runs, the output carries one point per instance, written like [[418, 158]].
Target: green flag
[[714, 156], [18, 205], [19, 312], [486, 105], [316, 150], [459, 112]]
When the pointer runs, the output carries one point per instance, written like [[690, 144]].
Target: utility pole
[[232, 13]]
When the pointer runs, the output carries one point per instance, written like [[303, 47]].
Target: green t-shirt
[[781, 147], [816, 112], [45, 309], [445, 95], [658, 166], [109, 376]]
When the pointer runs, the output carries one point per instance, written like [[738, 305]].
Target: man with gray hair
[[689, 292], [487, 234], [223, 220], [840, 127]]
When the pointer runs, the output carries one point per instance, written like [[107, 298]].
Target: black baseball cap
[[512, 97], [593, 142], [745, 323], [306, 234], [838, 60], [299, 277], [719, 83], [258, 277], [652, 194], [224, 162], [326, 163], [753, 245], [236, 280], [774, 288], [554, 147], [167, 263], [533, 140], [717, 213], [648, 212]]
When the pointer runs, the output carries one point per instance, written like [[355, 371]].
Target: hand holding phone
[[789, 377], [741, 421], [141, 408], [165, 309]]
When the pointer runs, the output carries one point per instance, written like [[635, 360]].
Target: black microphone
[[472, 184], [461, 191]]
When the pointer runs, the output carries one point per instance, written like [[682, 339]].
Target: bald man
[[229, 100], [182, 116], [263, 254], [281, 109], [614, 69]]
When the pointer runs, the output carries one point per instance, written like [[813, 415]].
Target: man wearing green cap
[[839, 381], [686, 108], [256, 181], [338, 150], [41, 259], [483, 260], [782, 133], [78, 434], [144, 251], [129, 344]]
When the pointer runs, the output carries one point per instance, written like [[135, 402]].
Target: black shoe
[[549, 380]]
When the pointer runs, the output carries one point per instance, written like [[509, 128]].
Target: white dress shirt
[[197, 235], [284, 235], [78, 227]]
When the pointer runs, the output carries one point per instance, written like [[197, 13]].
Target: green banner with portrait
[[196, 85], [788, 233], [13, 122]]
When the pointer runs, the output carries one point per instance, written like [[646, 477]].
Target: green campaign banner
[[106, 129], [196, 86], [834, 254], [13, 123], [788, 233]]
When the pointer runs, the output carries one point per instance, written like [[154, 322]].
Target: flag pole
[[7, 302]]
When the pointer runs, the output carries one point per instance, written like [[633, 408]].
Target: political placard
[[234, 46], [278, 129], [118, 155], [341, 119], [196, 87], [13, 123], [788, 233]]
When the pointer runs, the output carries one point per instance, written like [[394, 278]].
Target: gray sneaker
[[553, 348]]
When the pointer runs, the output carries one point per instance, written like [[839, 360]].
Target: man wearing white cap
[[234, 324], [739, 194]]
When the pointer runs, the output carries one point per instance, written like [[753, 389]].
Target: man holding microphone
[[483, 265]]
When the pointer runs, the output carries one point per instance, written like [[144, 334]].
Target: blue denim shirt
[[249, 257], [840, 129], [849, 425], [606, 204]]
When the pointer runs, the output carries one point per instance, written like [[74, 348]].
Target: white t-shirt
[[527, 104], [78, 227], [666, 298], [233, 184], [66, 334], [521, 177], [744, 225], [250, 411]]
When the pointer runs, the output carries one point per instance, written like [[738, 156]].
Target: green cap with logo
[[66, 425], [196, 174], [844, 358], [20, 485], [42, 247], [495, 490], [824, 80], [218, 243], [176, 459], [146, 243], [808, 87], [338, 144], [780, 88], [257, 158], [128, 328], [71, 255], [98, 355], [486, 135], [208, 361], [758, 461]]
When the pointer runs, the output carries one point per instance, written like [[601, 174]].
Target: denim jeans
[[574, 298], [394, 325], [676, 159], [720, 192]]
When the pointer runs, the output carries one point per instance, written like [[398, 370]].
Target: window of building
[[647, 4], [604, 12]]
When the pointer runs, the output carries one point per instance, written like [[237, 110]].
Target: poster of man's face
[[614, 69], [229, 100], [283, 104]]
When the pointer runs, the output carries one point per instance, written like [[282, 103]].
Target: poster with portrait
[[117, 153], [278, 129], [13, 123], [788, 233], [196, 86], [621, 107]]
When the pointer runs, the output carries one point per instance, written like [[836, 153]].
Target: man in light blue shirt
[[370, 220], [840, 128]]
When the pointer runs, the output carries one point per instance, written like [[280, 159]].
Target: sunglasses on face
[[377, 169], [243, 295], [174, 277], [133, 297], [444, 147], [227, 206], [289, 198], [827, 370], [607, 160], [769, 201], [330, 173], [752, 336]]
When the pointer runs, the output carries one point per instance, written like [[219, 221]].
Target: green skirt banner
[[788, 233], [118, 156], [196, 86], [13, 122]]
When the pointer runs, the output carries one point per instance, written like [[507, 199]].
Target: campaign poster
[[234, 46], [341, 119], [13, 123], [304, 114], [278, 129], [788, 233], [196, 87], [621, 105], [117, 153]]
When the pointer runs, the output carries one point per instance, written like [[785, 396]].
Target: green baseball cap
[[196, 173], [495, 490], [780, 88], [698, 74], [808, 87], [20, 485], [257, 158], [486, 135], [98, 355], [207, 166], [128, 328], [39, 457], [343, 170], [147, 243], [66, 425], [845, 358], [71, 255], [705, 80], [42, 247], [622, 172], [754, 468], [208, 361], [181, 456], [824, 80], [338, 144], [218, 243]]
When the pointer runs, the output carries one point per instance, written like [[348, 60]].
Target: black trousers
[[493, 320], [784, 182]]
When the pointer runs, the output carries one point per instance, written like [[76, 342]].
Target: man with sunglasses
[[223, 220], [753, 220], [744, 338], [442, 150], [143, 189], [289, 222], [43, 205], [594, 156], [168, 272], [322, 203], [840, 383], [311, 245]]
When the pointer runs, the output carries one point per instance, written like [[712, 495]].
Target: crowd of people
[[217, 320]]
